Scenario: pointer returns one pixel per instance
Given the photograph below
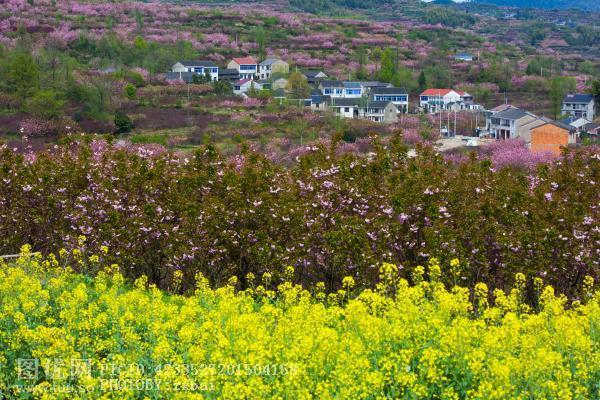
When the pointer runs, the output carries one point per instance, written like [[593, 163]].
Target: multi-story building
[[579, 105], [200, 67], [246, 66]]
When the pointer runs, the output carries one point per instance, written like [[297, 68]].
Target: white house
[[335, 89], [463, 57], [346, 90], [579, 105], [243, 86], [434, 100], [200, 67], [246, 66], [271, 66], [512, 122], [576, 122], [377, 111], [398, 96]]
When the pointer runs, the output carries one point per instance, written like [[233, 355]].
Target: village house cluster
[[382, 102], [541, 133]]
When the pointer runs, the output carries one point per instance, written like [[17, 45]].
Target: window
[[215, 70], [347, 109], [247, 67], [424, 98], [327, 91]]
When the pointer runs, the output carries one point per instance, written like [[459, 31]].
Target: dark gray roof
[[578, 98], [199, 63], [568, 120], [312, 74], [346, 102], [563, 125], [352, 85], [511, 113], [228, 72], [388, 90], [319, 99], [187, 77], [270, 61], [373, 84], [331, 84]]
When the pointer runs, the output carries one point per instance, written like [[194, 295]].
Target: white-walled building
[[434, 100], [200, 67], [579, 105], [246, 66]]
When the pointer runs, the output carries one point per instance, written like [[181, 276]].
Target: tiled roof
[[352, 85], [228, 72], [578, 98], [187, 77], [331, 84], [388, 90], [270, 61], [511, 113], [198, 63], [436, 92], [245, 61]]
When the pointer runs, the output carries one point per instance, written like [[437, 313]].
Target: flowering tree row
[[331, 214]]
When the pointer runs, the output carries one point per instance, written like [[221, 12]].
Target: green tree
[[422, 81], [361, 58], [23, 75], [222, 88], [45, 104], [376, 55], [130, 91], [123, 123], [559, 87], [439, 75], [596, 90], [403, 78], [298, 86], [388, 68], [261, 40]]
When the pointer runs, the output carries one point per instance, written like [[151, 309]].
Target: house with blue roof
[[579, 105], [199, 67]]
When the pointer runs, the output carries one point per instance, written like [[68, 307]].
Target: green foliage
[[123, 123], [422, 81], [438, 75], [130, 91], [449, 17], [388, 65], [21, 74], [222, 88], [46, 104], [403, 78], [544, 66], [298, 86], [595, 90], [559, 87]]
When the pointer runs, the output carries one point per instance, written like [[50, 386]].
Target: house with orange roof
[[246, 66], [435, 100]]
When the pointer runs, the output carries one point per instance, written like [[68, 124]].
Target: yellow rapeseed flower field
[[69, 336]]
